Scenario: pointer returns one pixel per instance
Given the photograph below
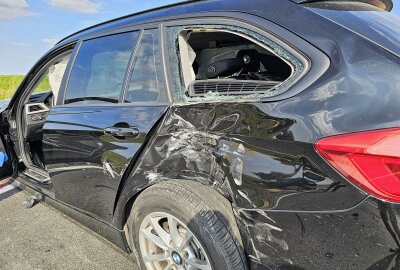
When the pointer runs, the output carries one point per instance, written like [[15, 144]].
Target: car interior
[[228, 63], [33, 111]]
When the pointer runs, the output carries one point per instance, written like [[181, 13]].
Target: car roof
[[176, 9], [194, 6], [125, 17]]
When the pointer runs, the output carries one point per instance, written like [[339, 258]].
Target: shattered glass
[[178, 81]]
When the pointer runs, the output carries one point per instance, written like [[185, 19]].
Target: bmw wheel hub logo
[[176, 258]]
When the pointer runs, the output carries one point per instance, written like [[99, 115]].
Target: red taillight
[[370, 159]]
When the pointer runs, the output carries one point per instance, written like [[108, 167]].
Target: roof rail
[[382, 4]]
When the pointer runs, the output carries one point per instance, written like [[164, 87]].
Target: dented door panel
[[250, 157]]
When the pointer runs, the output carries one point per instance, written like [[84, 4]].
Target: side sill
[[110, 233]]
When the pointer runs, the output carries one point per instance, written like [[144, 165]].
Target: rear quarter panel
[[294, 211]]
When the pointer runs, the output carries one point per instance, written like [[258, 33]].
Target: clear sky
[[28, 28]]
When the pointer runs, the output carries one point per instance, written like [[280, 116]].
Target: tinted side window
[[146, 84], [99, 69]]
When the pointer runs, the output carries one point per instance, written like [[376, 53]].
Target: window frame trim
[[120, 30], [163, 97], [67, 74], [128, 72], [316, 63]]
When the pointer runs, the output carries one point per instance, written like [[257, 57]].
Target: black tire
[[206, 213]]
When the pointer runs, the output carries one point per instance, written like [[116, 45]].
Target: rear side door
[[114, 97]]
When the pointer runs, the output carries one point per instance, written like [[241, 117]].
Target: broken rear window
[[218, 62]]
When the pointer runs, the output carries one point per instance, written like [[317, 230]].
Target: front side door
[[113, 99]]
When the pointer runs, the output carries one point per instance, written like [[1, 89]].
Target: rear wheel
[[185, 225], [166, 243]]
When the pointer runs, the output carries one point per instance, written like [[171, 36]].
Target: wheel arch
[[129, 196]]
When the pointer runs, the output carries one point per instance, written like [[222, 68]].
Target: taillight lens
[[370, 159]]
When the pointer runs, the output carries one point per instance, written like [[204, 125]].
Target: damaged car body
[[217, 135]]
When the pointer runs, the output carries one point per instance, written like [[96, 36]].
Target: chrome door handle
[[122, 132]]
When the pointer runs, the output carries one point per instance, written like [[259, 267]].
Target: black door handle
[[123, 132]]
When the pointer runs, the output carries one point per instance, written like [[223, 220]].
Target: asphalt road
[[43, 238]]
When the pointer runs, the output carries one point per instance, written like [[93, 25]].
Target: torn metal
[[248, 158]]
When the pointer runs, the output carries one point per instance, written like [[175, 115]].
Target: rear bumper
[[365, 237]]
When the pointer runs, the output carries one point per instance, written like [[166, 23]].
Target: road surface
[[43, 238]]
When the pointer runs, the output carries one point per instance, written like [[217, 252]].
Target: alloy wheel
[[167, 244]]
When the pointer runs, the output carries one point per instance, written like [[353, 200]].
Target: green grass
[[10, 83]]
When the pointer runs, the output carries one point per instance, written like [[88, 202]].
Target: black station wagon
[[260, 134]]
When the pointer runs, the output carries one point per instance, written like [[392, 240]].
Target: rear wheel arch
[[125, 203], [203, 197]]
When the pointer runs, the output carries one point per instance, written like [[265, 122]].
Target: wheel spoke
[[154, 238], [186, 240], [173, 230], [198, 264], [155, 257], [168, 267], [165, 237]]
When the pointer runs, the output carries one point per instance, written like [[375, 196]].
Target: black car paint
[[203, 141], [85, 164], [388, 3], [365, 237], [293, 210]]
